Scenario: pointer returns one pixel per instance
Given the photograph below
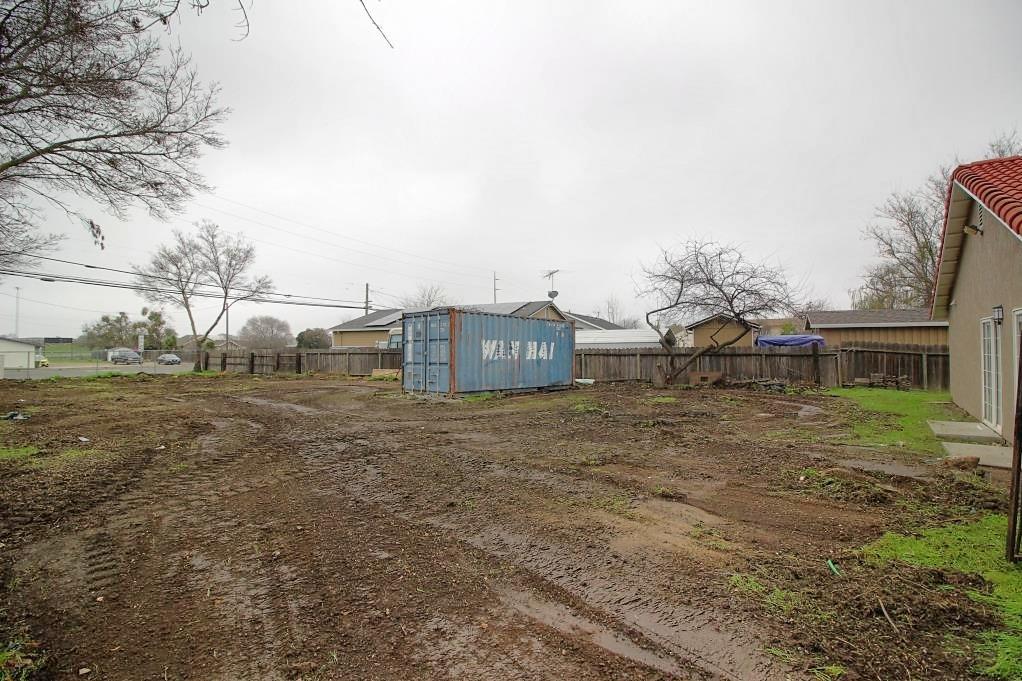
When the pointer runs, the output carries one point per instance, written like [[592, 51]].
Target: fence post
[[251, 362], [816, 363], [298, 362], [379, 360], [276, 362], [223, 362], [204, 360], [926, 382]]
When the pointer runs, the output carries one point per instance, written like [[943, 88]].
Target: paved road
[[148, 367]]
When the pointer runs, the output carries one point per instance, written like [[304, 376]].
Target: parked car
[[41, 361], [125, 357], [169, 358]]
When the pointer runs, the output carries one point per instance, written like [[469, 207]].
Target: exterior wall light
[[998, 314]]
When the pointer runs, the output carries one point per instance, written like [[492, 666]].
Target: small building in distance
[[848, 327], [719, 329], [17, 354], [616, 339]]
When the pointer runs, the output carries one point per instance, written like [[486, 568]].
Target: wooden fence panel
[[347, 362], [926, 366], [791, 364]]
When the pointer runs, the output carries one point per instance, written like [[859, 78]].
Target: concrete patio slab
[[964, 431], [989, 455]]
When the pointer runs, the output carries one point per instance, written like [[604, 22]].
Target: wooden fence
[[798, 365], [355, 362], [925, 365]]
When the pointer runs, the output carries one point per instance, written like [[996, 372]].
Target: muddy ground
[[320, 528]]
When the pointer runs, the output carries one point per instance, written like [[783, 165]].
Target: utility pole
[[495, 289], [227, 317], [17, 312], [367, 297]]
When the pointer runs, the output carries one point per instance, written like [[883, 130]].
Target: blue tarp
[[799, 340]]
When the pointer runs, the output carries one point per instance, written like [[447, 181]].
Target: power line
[[71, 279], [169, 279], [349, 238], [336, 245]]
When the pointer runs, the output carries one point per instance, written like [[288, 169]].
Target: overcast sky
[[522, 136]]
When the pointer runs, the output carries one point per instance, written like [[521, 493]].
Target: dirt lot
[[317, 528]]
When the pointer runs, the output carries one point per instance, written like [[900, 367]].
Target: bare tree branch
[[378, 28], [210, 260], [92, 105], [703, 279], [907, 236]]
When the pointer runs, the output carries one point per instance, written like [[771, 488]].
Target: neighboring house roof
[[382, 319], [373, 320], [590, 322], [847, 319], [20, 341], [995, 183], [616, 338], [704, 320]]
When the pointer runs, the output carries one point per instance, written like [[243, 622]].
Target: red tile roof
[[998, 184]]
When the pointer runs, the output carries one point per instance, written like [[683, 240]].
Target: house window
[[990, 351]]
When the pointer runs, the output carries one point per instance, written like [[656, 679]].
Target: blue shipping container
[[454, 351]]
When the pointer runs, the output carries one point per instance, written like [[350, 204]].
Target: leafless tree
[[91, 104], [701, 279], [907, 235], [264, 332], [210, 263], [426, 295]]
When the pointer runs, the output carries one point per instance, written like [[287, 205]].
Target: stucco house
[[719, 329], [374, 329], [979, 288], [848, 327]]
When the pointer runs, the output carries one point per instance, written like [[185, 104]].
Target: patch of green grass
[[790, 604], [747, 585], [782, 654], [20, 659], [384, 377], [479, 397], [619, 504], [587, 405], [903, 416], [14, 453], [663, 399], [973, 548], [827, 672], [68, 456]]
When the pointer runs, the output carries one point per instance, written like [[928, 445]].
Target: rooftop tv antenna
[[549, 275]]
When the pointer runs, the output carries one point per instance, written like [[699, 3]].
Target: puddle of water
[[889, 467], [561, 618]]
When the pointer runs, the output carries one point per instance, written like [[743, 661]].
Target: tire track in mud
[[603, 582], [170, 507]]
